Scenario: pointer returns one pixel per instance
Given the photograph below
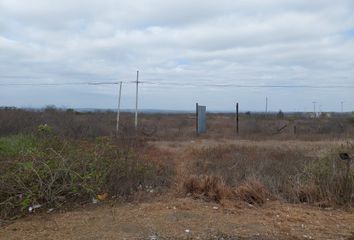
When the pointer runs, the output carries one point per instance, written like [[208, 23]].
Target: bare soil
[[187, 219]]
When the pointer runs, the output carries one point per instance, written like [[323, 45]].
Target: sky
[[215, 53]]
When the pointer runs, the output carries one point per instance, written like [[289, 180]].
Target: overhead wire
[[246, 85], [63, 84], [176, 84]]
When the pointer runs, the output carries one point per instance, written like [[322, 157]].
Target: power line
[[64, 84], [245, 86], [218, 85]]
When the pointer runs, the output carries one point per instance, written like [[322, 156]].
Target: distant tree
[[50, 108], [280, 114], [70, 110]]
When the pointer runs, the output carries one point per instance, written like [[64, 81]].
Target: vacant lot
[[162, 182]]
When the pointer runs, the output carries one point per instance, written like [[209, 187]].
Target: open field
[[261, 184], [254, 126]]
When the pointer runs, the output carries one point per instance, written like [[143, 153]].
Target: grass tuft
[[253, 191], [211, 188]]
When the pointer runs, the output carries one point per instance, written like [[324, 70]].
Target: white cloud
[[243, 42]]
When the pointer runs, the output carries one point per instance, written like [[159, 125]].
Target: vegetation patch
[[211, 188], [46, 170], [289, 174], [331, 178], [253, 192]]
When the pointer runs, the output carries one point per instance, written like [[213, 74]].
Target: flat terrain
[[170, 216], [187, 219]]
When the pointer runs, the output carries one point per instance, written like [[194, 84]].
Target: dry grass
[[78, 161], [209, 188], [214, 188], [74, 124], [253, 191], [290, 173]]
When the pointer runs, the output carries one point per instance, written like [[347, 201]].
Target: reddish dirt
[[172, 220]]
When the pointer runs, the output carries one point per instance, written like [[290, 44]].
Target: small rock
[[154, 237], [34, 207], [50, 210]]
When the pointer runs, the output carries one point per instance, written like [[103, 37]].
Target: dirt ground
[[187, 219], [171, 217]]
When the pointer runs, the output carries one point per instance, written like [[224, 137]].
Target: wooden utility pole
[[118, 110], [136, 101], [196, 118], [314, 108], [237, 119]]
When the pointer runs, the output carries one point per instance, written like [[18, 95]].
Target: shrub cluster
[[254, 175], [45, 169], [328, 179]]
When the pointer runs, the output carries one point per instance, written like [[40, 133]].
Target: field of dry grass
[[261, 184], [172, 127]]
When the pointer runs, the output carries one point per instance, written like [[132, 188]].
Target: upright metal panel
[[201, 119]]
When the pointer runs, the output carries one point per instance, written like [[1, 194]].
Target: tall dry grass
[[255, 173]]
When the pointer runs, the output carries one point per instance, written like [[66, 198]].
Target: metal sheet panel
[[201, 119]]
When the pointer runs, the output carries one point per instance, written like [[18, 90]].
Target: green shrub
[[45, 129], [330, 176], [19, 145], [51, 171]]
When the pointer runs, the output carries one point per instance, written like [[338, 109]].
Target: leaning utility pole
[[118, 110], [136, 101]]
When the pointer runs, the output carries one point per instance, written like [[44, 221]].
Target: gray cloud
[[268, 42]]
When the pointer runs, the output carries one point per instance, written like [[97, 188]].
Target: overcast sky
[[185, 47]]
